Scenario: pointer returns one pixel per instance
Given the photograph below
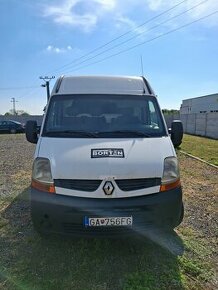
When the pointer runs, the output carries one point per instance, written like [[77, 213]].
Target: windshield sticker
[[109, 153]]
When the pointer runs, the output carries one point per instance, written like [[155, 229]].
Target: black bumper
[[64, 214]]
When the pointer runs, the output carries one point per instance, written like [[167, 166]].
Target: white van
[[104, 160]]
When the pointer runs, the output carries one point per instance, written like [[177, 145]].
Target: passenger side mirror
[[32, 131], [176, 132]]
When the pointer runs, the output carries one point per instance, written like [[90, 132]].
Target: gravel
[[16, 155], [200, 189], [200, 184]]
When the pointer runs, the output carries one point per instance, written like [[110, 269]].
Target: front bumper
[[64, 214]]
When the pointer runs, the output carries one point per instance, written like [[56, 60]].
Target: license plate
[[108, 221]]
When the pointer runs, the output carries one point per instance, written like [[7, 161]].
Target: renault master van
[[104, 160]]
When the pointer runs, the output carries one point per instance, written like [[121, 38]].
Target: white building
[[204, 104]]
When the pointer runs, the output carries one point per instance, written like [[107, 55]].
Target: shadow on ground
[[28, 261]]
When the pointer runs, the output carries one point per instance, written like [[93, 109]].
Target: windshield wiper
[[128, 132], [98, 134], [73, 132]]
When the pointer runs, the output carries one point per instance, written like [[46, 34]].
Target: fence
[[170, 117], [203, 124], [38, 118]]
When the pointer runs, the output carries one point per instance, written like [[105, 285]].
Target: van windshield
[[103, 116]]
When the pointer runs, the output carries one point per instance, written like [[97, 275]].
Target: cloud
[[87, 14], [107, 4], [204, 8], [53, 49], [129, 24], [79, 13]]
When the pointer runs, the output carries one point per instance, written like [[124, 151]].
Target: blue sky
[[50, 38]]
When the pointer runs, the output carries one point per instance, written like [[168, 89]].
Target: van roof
[[102, 85]]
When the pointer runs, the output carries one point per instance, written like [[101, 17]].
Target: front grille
[[78, 184], [90, 185], [136, 184]]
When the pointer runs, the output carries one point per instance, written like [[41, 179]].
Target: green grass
[[204, 148], [31, 262], [95, 264], [164, 261]]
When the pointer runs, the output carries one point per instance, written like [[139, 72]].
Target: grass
[[32, 262], [166, 261], [204, 148]]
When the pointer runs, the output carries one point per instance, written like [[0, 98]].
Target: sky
[[177, 42]]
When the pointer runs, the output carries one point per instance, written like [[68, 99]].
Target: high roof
[[102, 85]]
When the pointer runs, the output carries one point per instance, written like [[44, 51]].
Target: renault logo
[[108, 188]]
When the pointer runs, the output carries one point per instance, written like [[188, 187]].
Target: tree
[[22, 113], [10, 113], [7, 114], [18, 113], [170, 112]]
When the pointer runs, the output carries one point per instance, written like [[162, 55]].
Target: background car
[[11, 127]]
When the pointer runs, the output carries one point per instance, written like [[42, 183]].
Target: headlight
[[41, 175], [170, 178]]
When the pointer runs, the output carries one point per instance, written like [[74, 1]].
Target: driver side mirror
[[32, 131], [176, 132]]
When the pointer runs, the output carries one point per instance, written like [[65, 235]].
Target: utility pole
[[47, 80], [13, 105]]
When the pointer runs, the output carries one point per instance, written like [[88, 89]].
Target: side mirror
[[32, 131], [176, 132]]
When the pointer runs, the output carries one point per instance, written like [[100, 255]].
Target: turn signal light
[[43, 186], [169, 186]]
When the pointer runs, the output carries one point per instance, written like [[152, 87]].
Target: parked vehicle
[[104, 160], [11, 127]]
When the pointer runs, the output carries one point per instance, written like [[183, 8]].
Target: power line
[[30, 93], [135, 36], [147, 41], [120, 36], [18, 88]]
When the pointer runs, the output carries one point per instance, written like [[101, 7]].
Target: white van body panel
[[71, 159]]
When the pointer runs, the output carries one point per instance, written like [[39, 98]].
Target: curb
[[199, 159]]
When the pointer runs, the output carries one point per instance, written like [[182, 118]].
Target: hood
[[71, 157]]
